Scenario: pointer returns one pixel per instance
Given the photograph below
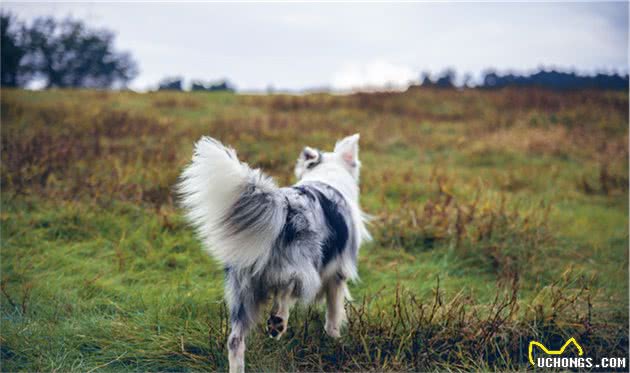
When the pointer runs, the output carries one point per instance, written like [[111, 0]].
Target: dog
[[290, 244]]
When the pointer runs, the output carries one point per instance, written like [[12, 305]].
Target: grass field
[[499, 217]]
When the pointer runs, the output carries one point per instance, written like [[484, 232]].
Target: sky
[[343, 46]]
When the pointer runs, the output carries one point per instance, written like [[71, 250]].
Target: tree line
[[177, 84], [67, 53], [550, 79]]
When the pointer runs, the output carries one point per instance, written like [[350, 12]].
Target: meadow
[[499, 217]]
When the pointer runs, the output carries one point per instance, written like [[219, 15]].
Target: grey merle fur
[[318, 228]]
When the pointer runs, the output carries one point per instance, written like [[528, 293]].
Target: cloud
[[374, 74]]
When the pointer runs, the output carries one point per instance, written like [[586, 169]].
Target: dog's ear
[[348, 149], [309, 154], [308, 159]]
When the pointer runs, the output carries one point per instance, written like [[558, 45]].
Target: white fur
[[209, 187], [340, 169]]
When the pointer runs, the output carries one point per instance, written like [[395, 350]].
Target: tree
[[425, 79], [62, 54], [222, 85], [198, 85], [13, 51], [446, 79], [67, 54], [171, 84]]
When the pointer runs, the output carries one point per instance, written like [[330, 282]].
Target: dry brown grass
[[516, 200]]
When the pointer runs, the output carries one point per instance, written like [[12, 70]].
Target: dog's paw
[[332, 330], [276, 326]]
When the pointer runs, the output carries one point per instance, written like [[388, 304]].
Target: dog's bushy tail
[[237, 211]]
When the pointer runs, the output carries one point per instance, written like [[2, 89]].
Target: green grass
[[497, 220]]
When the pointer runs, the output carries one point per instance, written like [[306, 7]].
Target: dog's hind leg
[[236, 348], [244, 302], [243, 316], [336, 290], [279, 319]]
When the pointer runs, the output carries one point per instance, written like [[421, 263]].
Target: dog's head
[[344, 158]]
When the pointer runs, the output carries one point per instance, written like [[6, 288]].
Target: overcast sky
[[344, 45]]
